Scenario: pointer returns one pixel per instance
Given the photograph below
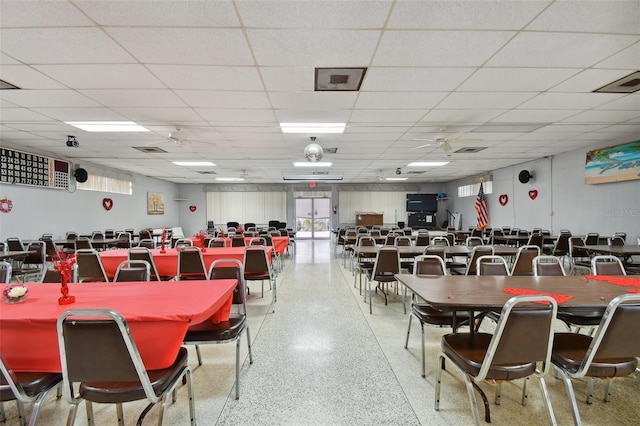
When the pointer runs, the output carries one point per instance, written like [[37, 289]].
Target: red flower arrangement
[[199, 239], [163, 241], [63, 264]]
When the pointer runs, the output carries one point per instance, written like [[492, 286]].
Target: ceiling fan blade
[[467, 140], [446, 147], [424, 146]]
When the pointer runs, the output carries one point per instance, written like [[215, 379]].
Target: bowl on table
[[15, 293]]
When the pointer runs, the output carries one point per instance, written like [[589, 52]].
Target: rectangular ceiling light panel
[[107, 126], [312, 164], [311, 177], [193, 163], [312, 127], [428, 164]]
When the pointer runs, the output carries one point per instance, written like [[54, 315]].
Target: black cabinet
[[422, 220]]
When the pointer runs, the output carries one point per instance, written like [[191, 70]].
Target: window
[[472, 189], [107, 184]]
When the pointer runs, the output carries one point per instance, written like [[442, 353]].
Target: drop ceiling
[[513, 77]]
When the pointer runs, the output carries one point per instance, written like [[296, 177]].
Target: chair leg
[[249, 346], [91, 419], [590, 391], [607, 391], [71, 417], [406, 342], [238, 368], [436, 403], [3, 416], [120, 414], [525, 392], [572, 396], [498, 393], [35, 411], [547, 401], [424, 374], [21, 416], [198, 355]]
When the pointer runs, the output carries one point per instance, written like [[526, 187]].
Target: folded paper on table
[[560, 298], [616, 280]]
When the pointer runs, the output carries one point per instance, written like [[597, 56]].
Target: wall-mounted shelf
[[441, 199], [180, 199]]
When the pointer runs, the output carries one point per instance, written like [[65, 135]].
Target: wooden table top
[[15, 253], [625, 250], [485, 292], [448, 250]]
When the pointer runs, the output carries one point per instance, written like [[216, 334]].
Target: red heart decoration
[[533, 194], [503, 200], [107, 203], [192, 208]]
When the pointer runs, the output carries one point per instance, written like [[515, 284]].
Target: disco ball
[[313, 152]]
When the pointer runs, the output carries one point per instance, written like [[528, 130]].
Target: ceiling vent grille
[[628, 84], [208, 172], [470, 149], [4, 85], [321, 173], [339, 79], [330, 150], [415, 172], [150, 149]]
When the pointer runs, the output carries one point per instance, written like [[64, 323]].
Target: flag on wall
[[481, 209]]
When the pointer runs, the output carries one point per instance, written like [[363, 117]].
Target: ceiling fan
[[180, 139], [442, 141]]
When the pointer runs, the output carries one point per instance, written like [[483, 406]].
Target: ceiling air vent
[[7, 86], [470, 149], [330, 150], [321, 173], [339, 79], [628, 84], [207, 172], [415, 172], [150, 149]]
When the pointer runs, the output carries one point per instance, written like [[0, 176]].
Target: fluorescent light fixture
[[229, 179], [313, 127], [427, 164], [193, 163], [107, 126], [312, 177], [397, 178], [311, 164]]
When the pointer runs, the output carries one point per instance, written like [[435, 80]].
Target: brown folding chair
[[523, 265], [607, 265], [386, 265], [133, 270], [144, 254], [90, 267], [190, 264], [99, 357], [257, 268]]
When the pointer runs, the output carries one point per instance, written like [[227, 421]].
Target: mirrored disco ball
[[313, 152]]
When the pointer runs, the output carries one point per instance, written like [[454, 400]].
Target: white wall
[[564, 201], [42, 210]]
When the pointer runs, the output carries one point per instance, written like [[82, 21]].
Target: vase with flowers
[[199, 240], [163, 241], [63, 264]]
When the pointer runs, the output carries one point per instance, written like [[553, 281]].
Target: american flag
[[481, 209]]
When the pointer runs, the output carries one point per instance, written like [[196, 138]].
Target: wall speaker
[[80, 175], [525, 176]]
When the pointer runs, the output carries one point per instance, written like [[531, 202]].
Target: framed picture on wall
[[155, 203]]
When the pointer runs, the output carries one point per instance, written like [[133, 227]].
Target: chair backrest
[[50, 247], [258, 241], [145, 234], [607, 265], [474, 241], [366, 241], [622, 235], [437, 251], [591, 238], [440, 241], [576, 247], [523, 265], [15, 244], [97, 235], [362, 230], [536, 239], [147, 243], [237, 241], [83, 243], [39, 255], [144, 254], [191, 264], [109, 233], [617, 335], [90, 266], [547, 266], [422, 239], [429, 265], [231, 269], [407, 231], [403, 241], [390, 238], [492, 265], [183, 242], [218, 242], [5, 272], [124, 240], [133, 270], [255, 260], [249, 225], [475, 254], [96, 346], [3, 246], [53, 276], [284, 232], [71, 235], [387, 263], [375, 233], [451, 238], [615, 241], [523, 334]]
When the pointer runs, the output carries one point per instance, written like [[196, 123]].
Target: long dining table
[[280, 244], [167, 262], [158, 315], [450, 251]]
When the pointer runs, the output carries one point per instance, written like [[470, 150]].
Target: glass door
[[313, 218]]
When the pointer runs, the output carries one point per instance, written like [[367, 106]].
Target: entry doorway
[[313, 218]]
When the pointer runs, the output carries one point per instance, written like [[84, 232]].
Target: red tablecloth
[[158, 314], [167, 263], [280, 244]]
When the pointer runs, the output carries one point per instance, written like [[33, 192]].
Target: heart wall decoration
[[503, 199], [107, 203], [533, 194], [193, 208]]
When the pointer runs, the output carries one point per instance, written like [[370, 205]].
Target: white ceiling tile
[[569, 128], [227, 99], [402, 100], [312, 116], [603, 116], [569, 100], [629, 102], [108, 76], [17, 115], [589, 80], [557, 50], [310, 100], [288, 78], [7, 60], [184, 45], [62, 46], [621, 128], [515, 79], [16, 14], [158, 115], [214, 115], [26, 77], [505, 15], [135, 98], [535, 115], [382, 79], [626, 59], [200, 13], [275, 47], [314, 14], [612, 17], [488, 100], [48, 98], [193, 77], [457, 116], [80, 114], [438, 48], [397, 115]]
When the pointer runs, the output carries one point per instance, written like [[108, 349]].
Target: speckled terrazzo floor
[[322, 359]]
